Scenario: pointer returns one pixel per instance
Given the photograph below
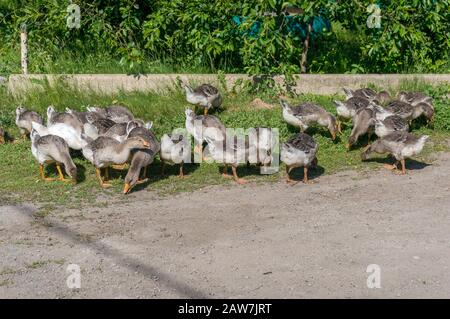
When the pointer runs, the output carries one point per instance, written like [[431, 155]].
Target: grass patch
[[19, 178]]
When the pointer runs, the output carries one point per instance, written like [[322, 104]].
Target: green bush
[[197, 36]]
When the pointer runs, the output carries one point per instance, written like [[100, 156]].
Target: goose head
[[427, 110], [137, 142], [50, 111], [285, 105], [20, 110]]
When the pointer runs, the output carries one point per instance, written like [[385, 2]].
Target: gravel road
[[251, 241]]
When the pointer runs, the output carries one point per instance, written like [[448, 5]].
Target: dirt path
[[243, 241]]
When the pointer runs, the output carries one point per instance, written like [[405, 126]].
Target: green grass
[[19, 178]]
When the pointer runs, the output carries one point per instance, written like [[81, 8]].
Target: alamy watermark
[[374, 20], [73, 281], [374, 279]]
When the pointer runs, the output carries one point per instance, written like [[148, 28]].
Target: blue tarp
[[293, 24]]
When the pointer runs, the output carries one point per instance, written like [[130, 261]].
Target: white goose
[[68, 133]]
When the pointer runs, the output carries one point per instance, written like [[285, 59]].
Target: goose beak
[[147, 144], [126, 188], [333, 136], [2, 140]]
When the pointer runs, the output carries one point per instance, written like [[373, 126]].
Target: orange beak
[[333, 136], [147, 144], [2, 140], [126, 188]]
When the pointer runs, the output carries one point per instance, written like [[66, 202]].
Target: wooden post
[[306, 47], [24, 48]]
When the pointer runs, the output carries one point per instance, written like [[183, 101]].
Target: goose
[[2, 136], [367, 93], [141, 158], [175, 149], [72, 137], [54, 117], [119, 131], [363, 122], [299, 151], [347, 109], [116, 113], [205, 95], [305, 114], [414, 98], [82, 116], [202, 127], [50, 149], [231, 151], [24, 118], [401, 145], [405, 110], [106, 151], [102, 125], [390, 124], [263, 141]]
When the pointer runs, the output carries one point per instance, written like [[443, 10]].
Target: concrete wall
[[306, 83]]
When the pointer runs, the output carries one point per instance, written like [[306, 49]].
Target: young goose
[[300, 150], [119, 131], [102, 125], [82, 116], [116, 113], [202, 127], [141, 158], [175, 149], [390, 124], [414, 98], [363, 122], [400, 144], [347, 109], [305, 114], [404, 110], [367, 93], [106, 151], [68, 133], [206, 96], [24, 118], [49, 149], [54, 117], [230, 151]]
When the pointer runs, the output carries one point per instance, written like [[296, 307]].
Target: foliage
[[251, 36]]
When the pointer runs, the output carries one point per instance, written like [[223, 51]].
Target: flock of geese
[[113, 137]]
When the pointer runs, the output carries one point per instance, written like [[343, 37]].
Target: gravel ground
[[251, 241]]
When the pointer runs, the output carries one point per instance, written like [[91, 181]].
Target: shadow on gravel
[[134, 265], [410, 163]]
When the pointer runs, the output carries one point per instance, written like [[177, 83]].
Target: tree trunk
[[306, 47], [24, 48]]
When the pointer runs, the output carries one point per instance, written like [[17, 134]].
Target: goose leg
[[145, 179], [288, 178], [42, 173], [339, 125], [236, 178], [391, 167], [61, 175], [181, 175], [98, 173], [403, 166], [225, 172], [205, 111], [305, 176]]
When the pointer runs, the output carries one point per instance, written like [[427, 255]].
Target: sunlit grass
[[19, 178]]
